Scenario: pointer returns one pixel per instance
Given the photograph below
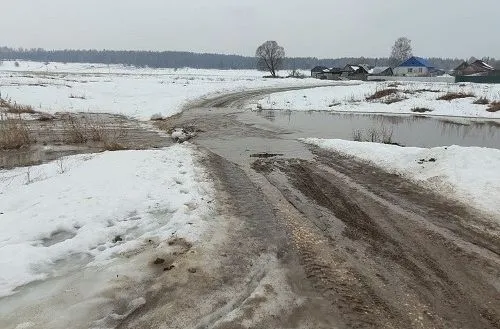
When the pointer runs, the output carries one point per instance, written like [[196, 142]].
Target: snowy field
[[90, 209], [135, 92], [469, 173], [406, 97]]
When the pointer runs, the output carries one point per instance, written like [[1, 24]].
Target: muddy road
[[312, 239]]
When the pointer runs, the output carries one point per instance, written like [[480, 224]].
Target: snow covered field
[[469, 173], [135, 92], [90, 209], [407, 97]]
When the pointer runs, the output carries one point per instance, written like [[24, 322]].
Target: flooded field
[[406, 130]]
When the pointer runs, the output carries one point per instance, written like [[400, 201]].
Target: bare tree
[[401, 51], [270, 57]]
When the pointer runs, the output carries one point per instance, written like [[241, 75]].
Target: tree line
[[178, 59]]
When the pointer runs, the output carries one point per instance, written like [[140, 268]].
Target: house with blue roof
[[414, 67]]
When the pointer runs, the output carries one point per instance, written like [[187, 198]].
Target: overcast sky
[[317, 28]]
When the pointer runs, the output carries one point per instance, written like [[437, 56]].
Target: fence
[[448, 79], [483, 79]]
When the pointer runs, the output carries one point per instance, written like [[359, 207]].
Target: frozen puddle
[[77, 235]]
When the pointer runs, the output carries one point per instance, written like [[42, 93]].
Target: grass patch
[[494, 107], [394, 99], [382, 93], [452, 95], [427, 90], [357, 135], [81, 130], [13, 107], [481, 101], [420, 110], [14, 133], [382, 135]]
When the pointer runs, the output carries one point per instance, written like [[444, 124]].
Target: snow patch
[[98, 208], [410, 95], [135, 92]]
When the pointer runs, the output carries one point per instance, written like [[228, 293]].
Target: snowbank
[[410, 95], [135, 92], [469, 173], [88, 209]]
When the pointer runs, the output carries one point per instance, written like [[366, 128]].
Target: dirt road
[[311, 239]]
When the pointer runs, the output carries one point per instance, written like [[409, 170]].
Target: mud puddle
[[65, 134]]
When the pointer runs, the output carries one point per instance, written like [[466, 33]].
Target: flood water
[[406, 130]]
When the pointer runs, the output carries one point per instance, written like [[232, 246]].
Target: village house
[[380, 71], [319, 72], [354, 72], [414, 67], [334, 73], [476, 67], [324, 73]]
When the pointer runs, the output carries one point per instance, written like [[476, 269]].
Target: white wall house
[[413, 67]]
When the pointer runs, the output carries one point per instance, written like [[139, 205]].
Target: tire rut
[[380, 248]]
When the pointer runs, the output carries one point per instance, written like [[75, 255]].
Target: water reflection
[[407, 130]]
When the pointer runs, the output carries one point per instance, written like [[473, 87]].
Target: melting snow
[[89, 209], [352, 98]]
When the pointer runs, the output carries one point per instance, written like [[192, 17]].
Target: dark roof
[[483, 65], [319, 69], [335, 70], [415, 62], [462, 66], [477, 66], [355, 68]]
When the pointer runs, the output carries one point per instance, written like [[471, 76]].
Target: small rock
[[168, 268], [117, 239], [159, 261], [432, 160], [192, 270]]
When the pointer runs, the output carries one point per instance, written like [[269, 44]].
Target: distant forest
[[178, 59]]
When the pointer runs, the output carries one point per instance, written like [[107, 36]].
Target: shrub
[[481, 101], [14, 133], [15, 108], [374, 135], [394, 99], [85, 129], [494, 107], [357, 135], [420, 110], [452, 95], [382, 93], [77, 97]]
